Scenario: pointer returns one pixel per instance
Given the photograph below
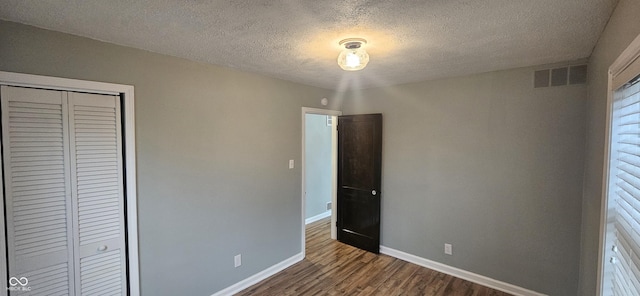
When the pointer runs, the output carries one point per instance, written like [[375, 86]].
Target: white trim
[[132, 191], [605, 188], [334, 142], [318, 217], [459, 273], [127, 91], [29, 80], [626, 58], [334, 180], [622, 66], [256, 278]]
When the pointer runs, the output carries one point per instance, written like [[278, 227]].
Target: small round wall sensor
[[324, 101]]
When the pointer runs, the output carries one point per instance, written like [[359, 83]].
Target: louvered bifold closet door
[[97, 186], [625, 192], [37, 191]]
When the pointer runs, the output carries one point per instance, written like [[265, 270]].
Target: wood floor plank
[[333, 268]]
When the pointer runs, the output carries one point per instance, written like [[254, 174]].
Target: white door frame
[[126, 91], [334, 169], [620, 72]]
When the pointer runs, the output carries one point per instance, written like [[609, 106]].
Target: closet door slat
[[97, 192], [37, 189]]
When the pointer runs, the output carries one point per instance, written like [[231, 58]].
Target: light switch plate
[[292, 163], [237, 260]]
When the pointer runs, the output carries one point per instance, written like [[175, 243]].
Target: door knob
[[373, 192], [102, 248]]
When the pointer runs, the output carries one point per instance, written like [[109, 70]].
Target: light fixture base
[[352, 43]]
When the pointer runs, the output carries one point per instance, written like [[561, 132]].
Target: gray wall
[[490, 165], [213, 146], [622, 28], [317, 164]]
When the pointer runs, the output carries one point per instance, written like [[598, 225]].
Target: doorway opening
[[319, 167]]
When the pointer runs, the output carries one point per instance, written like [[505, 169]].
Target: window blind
[[622, 272]]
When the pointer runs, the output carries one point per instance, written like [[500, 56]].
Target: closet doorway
[[69, 222]]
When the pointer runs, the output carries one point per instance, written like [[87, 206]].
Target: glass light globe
[[353, 59]]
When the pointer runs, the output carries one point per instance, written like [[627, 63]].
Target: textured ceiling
[[297, 40]]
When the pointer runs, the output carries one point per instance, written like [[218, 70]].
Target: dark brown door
[[359, 162]]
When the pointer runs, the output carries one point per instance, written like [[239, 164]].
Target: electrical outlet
[[237, 260], [329, 206], [292, 163], [448, 249]]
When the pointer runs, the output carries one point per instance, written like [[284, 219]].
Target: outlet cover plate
[[448, 249]]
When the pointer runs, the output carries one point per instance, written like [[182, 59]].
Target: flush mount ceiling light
[[353, 57]]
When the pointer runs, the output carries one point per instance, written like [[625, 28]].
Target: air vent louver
[[570, 75], [578, 74], [541, 78]]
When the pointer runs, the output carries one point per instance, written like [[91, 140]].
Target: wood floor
[[333, 268]]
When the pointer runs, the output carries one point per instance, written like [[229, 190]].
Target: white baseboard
[[256, 278], [459, 273], [317, 217]]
